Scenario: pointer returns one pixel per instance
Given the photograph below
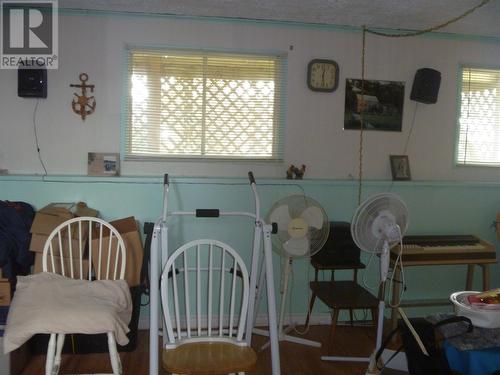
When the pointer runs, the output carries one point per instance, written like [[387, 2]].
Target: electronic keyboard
[[445, 249]]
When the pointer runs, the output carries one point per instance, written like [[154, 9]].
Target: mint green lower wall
[[436, 207]]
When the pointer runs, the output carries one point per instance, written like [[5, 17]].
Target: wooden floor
[[295, 359]]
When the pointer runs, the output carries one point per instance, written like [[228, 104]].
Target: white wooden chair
[[204, 295], [64, 254]]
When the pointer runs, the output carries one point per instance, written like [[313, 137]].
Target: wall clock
[[322, 75]]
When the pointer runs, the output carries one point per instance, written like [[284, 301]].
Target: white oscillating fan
[[378, 224], [302, 231]]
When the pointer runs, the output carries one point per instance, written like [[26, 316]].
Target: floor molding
[[299, 319]]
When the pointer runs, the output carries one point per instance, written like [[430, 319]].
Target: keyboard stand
[[421, 303]]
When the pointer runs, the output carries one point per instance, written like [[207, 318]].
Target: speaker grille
[[425, 87], [32, 83]]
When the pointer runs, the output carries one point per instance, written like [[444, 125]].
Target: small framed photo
[[400, 167], [103, 164]]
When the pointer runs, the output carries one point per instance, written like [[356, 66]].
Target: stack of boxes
[[129, 232], [46, 220]]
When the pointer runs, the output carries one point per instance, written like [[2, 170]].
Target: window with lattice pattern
[[204, 105], [479, 117]]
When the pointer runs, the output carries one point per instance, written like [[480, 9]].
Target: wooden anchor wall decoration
[[83, 105]]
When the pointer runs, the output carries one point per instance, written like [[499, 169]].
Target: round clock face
[[322, 75]]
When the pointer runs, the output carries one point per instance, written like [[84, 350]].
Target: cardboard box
[[129, 231], [38, 242], [54, 214], [50, 217], [1, 276], [5, 293], [38, 267], [81, 209]]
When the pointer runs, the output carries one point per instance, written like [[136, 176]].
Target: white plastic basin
[[480, 317]]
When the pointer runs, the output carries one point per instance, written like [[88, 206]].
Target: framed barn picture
[[381, 105]]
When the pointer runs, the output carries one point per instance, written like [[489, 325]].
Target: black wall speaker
[[32, 83], [426, 86]]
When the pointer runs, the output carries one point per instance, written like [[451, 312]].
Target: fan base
[[396, 363], [283, 336]]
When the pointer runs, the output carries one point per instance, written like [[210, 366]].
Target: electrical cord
[[309, 312], [411, 129], [365, 280], [290, 288], [398, 261], [35, 109]]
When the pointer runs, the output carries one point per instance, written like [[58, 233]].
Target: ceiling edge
[[278, 23]]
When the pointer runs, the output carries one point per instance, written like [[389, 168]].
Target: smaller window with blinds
[[207, 105], [479, 117]]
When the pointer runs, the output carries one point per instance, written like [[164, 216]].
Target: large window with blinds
[[191, 104], [479, 117]]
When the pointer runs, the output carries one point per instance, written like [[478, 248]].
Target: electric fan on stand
[[378, 224], [302, 231]]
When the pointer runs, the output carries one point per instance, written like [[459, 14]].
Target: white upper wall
[[314, 135]]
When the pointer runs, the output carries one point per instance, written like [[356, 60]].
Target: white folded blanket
[[50, 303]]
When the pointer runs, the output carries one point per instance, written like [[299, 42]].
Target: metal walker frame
[[262, 234]]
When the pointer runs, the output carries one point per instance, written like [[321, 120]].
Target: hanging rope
[[363, 51], [433, 28], [361, 116]]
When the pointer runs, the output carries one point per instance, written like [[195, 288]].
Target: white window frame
[[279, 109], [461, 162]]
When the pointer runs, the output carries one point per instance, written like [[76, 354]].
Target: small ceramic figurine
[[295, 172], [299, 173]]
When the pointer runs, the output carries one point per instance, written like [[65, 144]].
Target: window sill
[[458, 165], [190, 159]]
